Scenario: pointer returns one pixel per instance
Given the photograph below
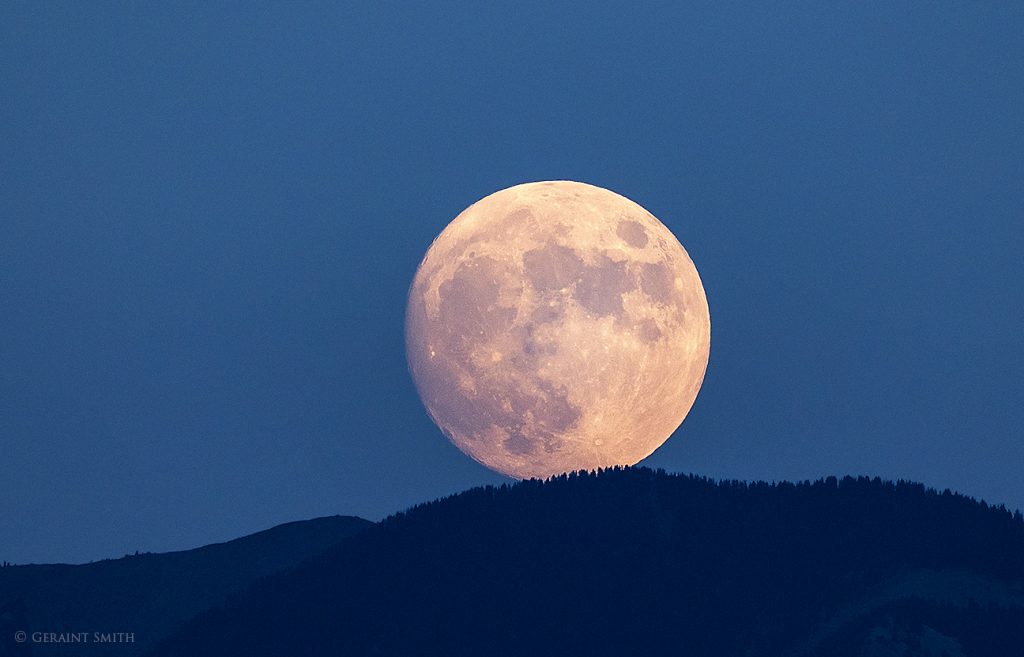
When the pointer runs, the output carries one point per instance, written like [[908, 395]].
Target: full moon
[[557, 326]]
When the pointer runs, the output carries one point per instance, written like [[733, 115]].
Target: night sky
[[210, 216]]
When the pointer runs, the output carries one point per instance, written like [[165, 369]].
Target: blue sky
[[210, 215]]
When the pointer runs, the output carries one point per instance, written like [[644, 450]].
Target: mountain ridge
[[149, 594], [639, 561]]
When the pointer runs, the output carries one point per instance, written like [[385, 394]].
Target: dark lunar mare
[[469, 318]]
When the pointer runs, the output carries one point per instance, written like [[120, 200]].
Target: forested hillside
[[632, 561]]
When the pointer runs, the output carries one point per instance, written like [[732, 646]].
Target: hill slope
[[149, 595], [640, 562]]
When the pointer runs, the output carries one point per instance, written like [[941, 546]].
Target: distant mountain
[[149, 595], [635, 562]]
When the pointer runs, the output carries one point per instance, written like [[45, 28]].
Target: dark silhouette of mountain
[[148, 595], [635, 562]]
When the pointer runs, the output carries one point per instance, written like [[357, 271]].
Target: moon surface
[[557, 326]]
